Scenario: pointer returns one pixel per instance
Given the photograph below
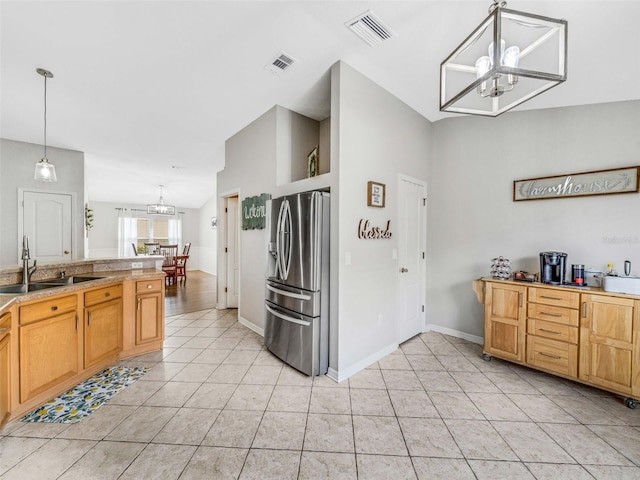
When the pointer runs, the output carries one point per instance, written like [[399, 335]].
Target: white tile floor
[[217, 405]]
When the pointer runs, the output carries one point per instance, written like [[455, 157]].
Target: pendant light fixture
[[45, 171], [161, 208], [510, 58]]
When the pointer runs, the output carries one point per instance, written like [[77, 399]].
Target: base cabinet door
[[505, 317], [102, 331], [149, 318], [607, 342], [5, 367], [49, 353]]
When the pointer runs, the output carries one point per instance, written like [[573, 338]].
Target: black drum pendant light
[[45, 171]]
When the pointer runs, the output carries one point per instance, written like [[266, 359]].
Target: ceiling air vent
[[281, 63], [370, 28]]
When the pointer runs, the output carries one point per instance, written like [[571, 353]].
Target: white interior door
[[233, 263], [411, 257], [47, 221]]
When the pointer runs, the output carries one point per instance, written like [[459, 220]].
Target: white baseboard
[[251, 326], [454, 333], [343, 374]]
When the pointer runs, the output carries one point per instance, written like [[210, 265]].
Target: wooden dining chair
[[187, 247], [169, 265], [181, 268], [135, 250], [152, 248]]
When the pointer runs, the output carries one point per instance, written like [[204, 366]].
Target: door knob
[[404, 270], [66, 252]]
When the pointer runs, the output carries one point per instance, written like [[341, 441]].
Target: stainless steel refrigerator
[[297, 288]]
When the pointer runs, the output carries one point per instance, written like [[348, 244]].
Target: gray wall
[[471, 215], [17, 164]]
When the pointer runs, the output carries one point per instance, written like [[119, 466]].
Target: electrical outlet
[[136, 265]]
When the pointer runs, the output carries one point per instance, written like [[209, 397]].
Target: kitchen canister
[[593, 277]]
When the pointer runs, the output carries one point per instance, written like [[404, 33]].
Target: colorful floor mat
[[84, 399]]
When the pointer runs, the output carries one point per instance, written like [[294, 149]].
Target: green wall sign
[[254, 211]]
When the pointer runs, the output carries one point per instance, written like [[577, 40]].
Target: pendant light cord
[[45, 116]]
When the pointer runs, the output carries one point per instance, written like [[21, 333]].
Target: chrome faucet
[[26, 270]]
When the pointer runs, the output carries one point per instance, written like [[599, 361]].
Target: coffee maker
[[553, 267]]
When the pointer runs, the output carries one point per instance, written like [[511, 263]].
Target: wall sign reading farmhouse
[[600, 182], [254, 211]]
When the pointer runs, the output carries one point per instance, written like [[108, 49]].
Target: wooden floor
[[197, 293]]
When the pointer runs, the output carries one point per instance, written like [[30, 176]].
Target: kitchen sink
[[68, 280], [22, 288]]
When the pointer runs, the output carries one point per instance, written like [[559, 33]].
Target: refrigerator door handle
[[279, 273], [286, 225], [287, 318], [298, 296]]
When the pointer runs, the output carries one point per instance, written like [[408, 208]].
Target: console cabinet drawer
[[550, 313], [552, 355], [554, 331], [558, 298]]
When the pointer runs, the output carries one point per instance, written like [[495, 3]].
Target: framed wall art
[[376, 193], [313, 162], [599, 182]]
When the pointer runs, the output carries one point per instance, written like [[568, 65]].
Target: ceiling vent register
[[370, 28], [280, 63]]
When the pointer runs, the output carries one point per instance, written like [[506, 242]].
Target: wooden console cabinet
[[590, 336]]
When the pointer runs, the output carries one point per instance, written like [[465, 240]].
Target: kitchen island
[[58, 336]]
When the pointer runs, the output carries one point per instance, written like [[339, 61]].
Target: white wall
[[17, 164], [471, 215], [207, 237], [378, 137]]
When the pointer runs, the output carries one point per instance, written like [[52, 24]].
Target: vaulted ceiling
[[151, 90]]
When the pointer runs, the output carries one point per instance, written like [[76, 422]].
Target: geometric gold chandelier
[[508, 59]]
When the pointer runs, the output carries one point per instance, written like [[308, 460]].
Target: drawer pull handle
[[54, 308], [4, 330], [550, 314], [555, 357], [584, 309], [89, 319], [139, 302], [107, 294], [549, 331], [520, 299], [149, 286], [551, 298]]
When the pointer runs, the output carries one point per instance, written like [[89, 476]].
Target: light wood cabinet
[[50, 344], [149, 312], [608, 339], [504, 326], [552, 330], [5, 367], [102, 324], [589, 336]]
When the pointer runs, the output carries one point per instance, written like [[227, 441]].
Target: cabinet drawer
[[555, 331], [559, 357], [550, 313], [558, 298], [145, 286], [102, 294], [47, 308]]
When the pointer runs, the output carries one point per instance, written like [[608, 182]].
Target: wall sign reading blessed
[[254, 211], [366, 231], [600, 182]]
